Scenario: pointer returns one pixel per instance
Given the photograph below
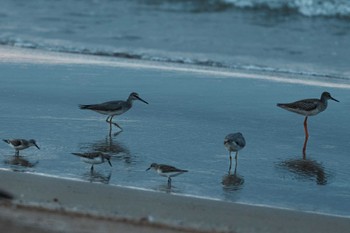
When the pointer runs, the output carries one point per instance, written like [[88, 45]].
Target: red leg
[[306, 137]]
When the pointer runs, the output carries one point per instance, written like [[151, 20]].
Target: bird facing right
[[20, 144], [308, 107], [234, 142], [94, 158]]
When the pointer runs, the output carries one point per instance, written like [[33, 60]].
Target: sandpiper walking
[[112, 108], [234, 142], [20, 144], [308, 107], [166, 170], [94, 158]]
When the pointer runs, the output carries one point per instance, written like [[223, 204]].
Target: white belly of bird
[[169, 174], [97, 160]]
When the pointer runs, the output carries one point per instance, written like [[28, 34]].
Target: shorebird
[[234, 142], [166, 170], [112, 108], [94, 158], [20, 144], [308, 107]]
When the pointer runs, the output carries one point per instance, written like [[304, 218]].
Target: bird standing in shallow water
[[234, 142], [308, 107], [20, 144], [166, 170], [112, 108], [94, 158]]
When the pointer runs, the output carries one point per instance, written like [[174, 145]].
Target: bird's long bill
[[109, 161], [148, 168], [334, 99], [142, 100], [37, 146]]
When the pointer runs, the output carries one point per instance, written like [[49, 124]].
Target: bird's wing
[[240, 141], [306, 105], [107, 106], [16, 142], [88, 155], [167, 168], [236, 138]]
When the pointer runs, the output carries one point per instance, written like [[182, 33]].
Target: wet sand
[[77, 204]]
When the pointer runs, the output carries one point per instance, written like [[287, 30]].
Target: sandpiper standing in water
[[308, 107], [94, 158], [234, 142], [166, 170], [21, 144], [113, 108]]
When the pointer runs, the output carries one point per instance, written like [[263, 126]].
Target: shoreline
[[24, 55], [155, 209]]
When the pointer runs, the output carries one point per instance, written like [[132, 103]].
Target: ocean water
[[297, 37], [190, 112]]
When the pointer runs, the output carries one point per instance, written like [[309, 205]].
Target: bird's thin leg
[[118, 126], [92, 168], [236, 161], [17, 153], [115, 124], [306, 137], [109, 120], [229, 169], [169, 181]]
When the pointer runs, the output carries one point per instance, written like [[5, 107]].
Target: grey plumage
[[113, 108], [166, 170], [234, 142], [308, 107], [94, 158], [20, 144]]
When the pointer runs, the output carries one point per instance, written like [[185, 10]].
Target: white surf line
[[234, 74], [27, 56]]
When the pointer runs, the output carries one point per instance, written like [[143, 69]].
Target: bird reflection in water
[[97, 177], [19, 161], [306, 169], [232, 182], [109, 146]]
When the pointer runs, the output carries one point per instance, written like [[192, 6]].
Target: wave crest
[[304, 7]]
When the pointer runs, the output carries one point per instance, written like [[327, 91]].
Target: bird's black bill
[[334, 99], [148, 168], [142, 100], [109, 161], [37, 146]]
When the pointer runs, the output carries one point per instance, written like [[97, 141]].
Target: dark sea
[[298, 39]]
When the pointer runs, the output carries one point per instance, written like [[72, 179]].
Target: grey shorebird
[[94, 158], [21, 144], [113, 108], [234, 142], [308, 107], [166, 170]]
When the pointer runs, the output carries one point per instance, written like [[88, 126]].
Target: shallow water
[[184, 125]]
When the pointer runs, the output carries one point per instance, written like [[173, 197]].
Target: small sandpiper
[[113, 108], [308, 107], [94, 158], [166, 170], [20, 144], [234, 142]]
